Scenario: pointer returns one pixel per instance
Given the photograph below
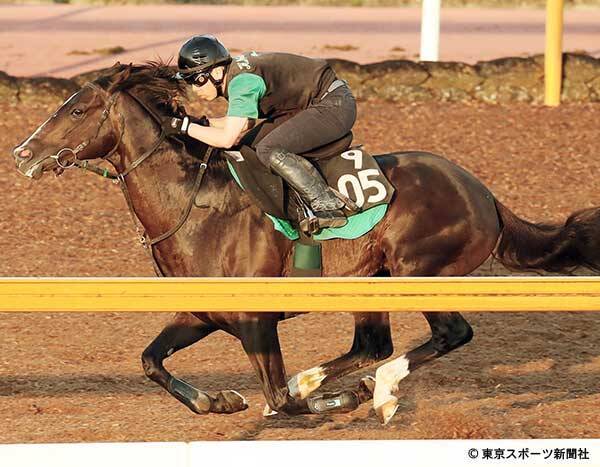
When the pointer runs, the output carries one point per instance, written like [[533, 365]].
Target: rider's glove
[[176, 126]]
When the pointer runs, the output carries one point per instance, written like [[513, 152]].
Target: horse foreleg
[[448, 332], [372, 343], [183, 331]]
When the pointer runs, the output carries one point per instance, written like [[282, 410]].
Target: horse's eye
[[77, 113]]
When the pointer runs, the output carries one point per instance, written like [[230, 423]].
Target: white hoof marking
[[306, 382], [387, 378], [386, 411], [268, 411]]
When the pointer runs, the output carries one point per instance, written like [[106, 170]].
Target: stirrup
[[333, 219], [313, 222], [310, 224]]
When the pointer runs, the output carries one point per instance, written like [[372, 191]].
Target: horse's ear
[[116, 67], [123, 75]]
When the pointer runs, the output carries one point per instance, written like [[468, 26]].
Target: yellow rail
[[553, 56], [299, 294]]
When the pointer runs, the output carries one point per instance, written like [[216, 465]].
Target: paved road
[[59, 40]]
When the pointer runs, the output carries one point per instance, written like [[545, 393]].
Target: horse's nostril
[[23, 153]]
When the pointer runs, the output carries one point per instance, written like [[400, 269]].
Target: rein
[[117, 177]]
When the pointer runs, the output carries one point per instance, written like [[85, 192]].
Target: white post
[[430, 30]]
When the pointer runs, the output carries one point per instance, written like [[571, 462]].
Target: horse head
[[80, 129], [86, 126]]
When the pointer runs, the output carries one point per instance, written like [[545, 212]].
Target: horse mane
[[154, 84], [151, 81]]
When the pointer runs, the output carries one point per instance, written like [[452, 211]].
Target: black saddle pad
[[354, 173]]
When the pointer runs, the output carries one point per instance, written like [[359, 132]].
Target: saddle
[[350, 171]]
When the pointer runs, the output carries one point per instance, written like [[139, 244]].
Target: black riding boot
[[303, 177]]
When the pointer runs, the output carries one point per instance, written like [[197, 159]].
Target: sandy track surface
[[60, 40], [68, 378]]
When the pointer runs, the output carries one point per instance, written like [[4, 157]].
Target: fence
[[503, 294]]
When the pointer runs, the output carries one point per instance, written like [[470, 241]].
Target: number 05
[[362, 183]]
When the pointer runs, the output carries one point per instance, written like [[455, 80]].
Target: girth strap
[[306, 260]]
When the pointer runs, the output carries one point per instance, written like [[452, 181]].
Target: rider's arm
[[245, 92], [219, 137], [219, 122]]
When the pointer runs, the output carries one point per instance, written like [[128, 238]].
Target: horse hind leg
[[372, 343], [184, 330], [448, 332], [261, 342]]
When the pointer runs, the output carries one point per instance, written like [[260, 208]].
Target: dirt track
[[67, 378]]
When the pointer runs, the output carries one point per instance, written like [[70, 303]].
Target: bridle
[[108, 103], [119, 177]]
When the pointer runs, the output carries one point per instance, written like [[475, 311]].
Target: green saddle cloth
[[358, 224]]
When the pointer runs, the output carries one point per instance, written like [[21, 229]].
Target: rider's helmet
[[199, 55]]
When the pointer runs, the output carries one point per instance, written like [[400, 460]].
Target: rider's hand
[[175, 126]]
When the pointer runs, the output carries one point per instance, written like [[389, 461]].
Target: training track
[[68, 378]]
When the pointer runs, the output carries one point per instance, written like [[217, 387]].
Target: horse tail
[[549, 247]]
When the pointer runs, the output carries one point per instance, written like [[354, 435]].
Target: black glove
[[175, 126]]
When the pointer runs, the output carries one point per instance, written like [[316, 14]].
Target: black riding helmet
[[199, 55]]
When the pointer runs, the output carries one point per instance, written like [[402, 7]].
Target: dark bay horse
[[441, 222]]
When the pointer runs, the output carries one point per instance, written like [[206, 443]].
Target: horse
[[441, 221]]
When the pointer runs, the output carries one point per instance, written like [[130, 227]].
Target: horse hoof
[[268, 411], [387, 409], [366, 388], [229, 401]]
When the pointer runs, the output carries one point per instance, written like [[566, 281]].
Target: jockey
[[319, 109]]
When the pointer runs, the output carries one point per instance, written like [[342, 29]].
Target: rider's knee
[[266, 152]]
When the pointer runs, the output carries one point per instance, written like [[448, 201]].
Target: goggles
[[197, 78]]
